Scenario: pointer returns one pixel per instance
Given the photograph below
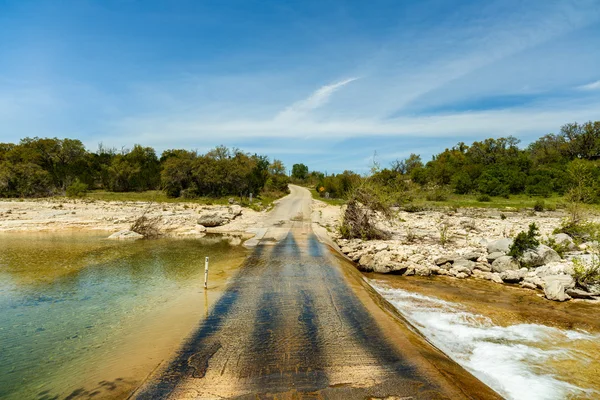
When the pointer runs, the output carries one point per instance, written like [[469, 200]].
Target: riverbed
[[85, 317], [519, 344]]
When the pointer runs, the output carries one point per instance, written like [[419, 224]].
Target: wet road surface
[[298, 321]]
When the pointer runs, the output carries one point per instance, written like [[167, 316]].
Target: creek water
[[519, 344], [85, 317]]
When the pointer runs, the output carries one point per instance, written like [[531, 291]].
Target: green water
[[86, 317]]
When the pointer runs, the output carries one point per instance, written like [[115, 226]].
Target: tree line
[[567, 163], [38, 167]]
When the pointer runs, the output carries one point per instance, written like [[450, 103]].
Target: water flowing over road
[[298, 321]]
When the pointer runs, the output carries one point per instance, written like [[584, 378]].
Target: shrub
[[524, 241], [539, 205], [413, 208], [561, 249], [437, 195], [587, 274], [77, 189], [503, 216], [484, 198]]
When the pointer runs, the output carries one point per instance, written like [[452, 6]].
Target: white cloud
[[317, 99], [590, 86]]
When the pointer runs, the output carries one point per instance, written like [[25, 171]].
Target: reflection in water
[[519, 361], [83, 316]]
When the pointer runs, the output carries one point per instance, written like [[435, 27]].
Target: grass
[[333, 202], [517, 202]]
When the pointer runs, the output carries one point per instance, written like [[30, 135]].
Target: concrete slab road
[[298, 321]]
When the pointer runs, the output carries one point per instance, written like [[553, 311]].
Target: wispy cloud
[[317, 99], [590, 86]]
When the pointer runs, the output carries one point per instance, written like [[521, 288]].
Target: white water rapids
[[517, 361]]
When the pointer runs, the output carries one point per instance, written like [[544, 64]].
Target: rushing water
[[85, 317], [519, 360]]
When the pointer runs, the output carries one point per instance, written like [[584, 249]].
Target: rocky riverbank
[[469, 243], [173, 219]]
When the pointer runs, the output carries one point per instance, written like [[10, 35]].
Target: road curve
[[298, 321]]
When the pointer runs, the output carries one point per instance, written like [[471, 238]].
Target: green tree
[[300, 172]]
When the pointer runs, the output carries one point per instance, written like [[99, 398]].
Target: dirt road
[[298, 321]]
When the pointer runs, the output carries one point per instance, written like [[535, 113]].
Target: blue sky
[[327, 83]]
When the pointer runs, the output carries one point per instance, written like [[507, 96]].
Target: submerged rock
[[579, 294], [125, 235]]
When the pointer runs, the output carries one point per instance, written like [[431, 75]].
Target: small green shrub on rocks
[[524, 241], [539, 205]]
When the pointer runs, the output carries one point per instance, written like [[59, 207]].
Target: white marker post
[[206, 273]]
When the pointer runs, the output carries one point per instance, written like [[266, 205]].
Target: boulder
[[555, 291], [542, 255], [565, 241], [461, 275], [235, 211], [566, 280], [493, 256], [482, 274], [482, 267], [346, 249], [457, 269], [472, 256], [495, 277], [528, 285], [579, 294], [534, 281], [511, 276], [500, 245], [562, 268], [555, 287], [365, 263], [443, 260], [505, 263], [464, 264], [211, 220], [126, 235], [422, 270]]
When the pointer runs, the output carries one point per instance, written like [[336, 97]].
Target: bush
[[437, 195], [539, 205], [484, 198], [524, 241], [77, 189], [413, 208], [586, 274]]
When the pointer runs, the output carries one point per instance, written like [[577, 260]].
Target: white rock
[[500, 245], [505, 263]]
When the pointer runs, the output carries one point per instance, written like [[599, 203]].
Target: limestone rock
[[464, 264], [528, 285], [555, 291], [564, 240], [211, 220], [493, 256], [485, 267], [500, 245], [461, 275], [443, 260], [511, 276], [495, 277], [542, 255], [579, 294], [126, 235], [505, 263], [422, 270]]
